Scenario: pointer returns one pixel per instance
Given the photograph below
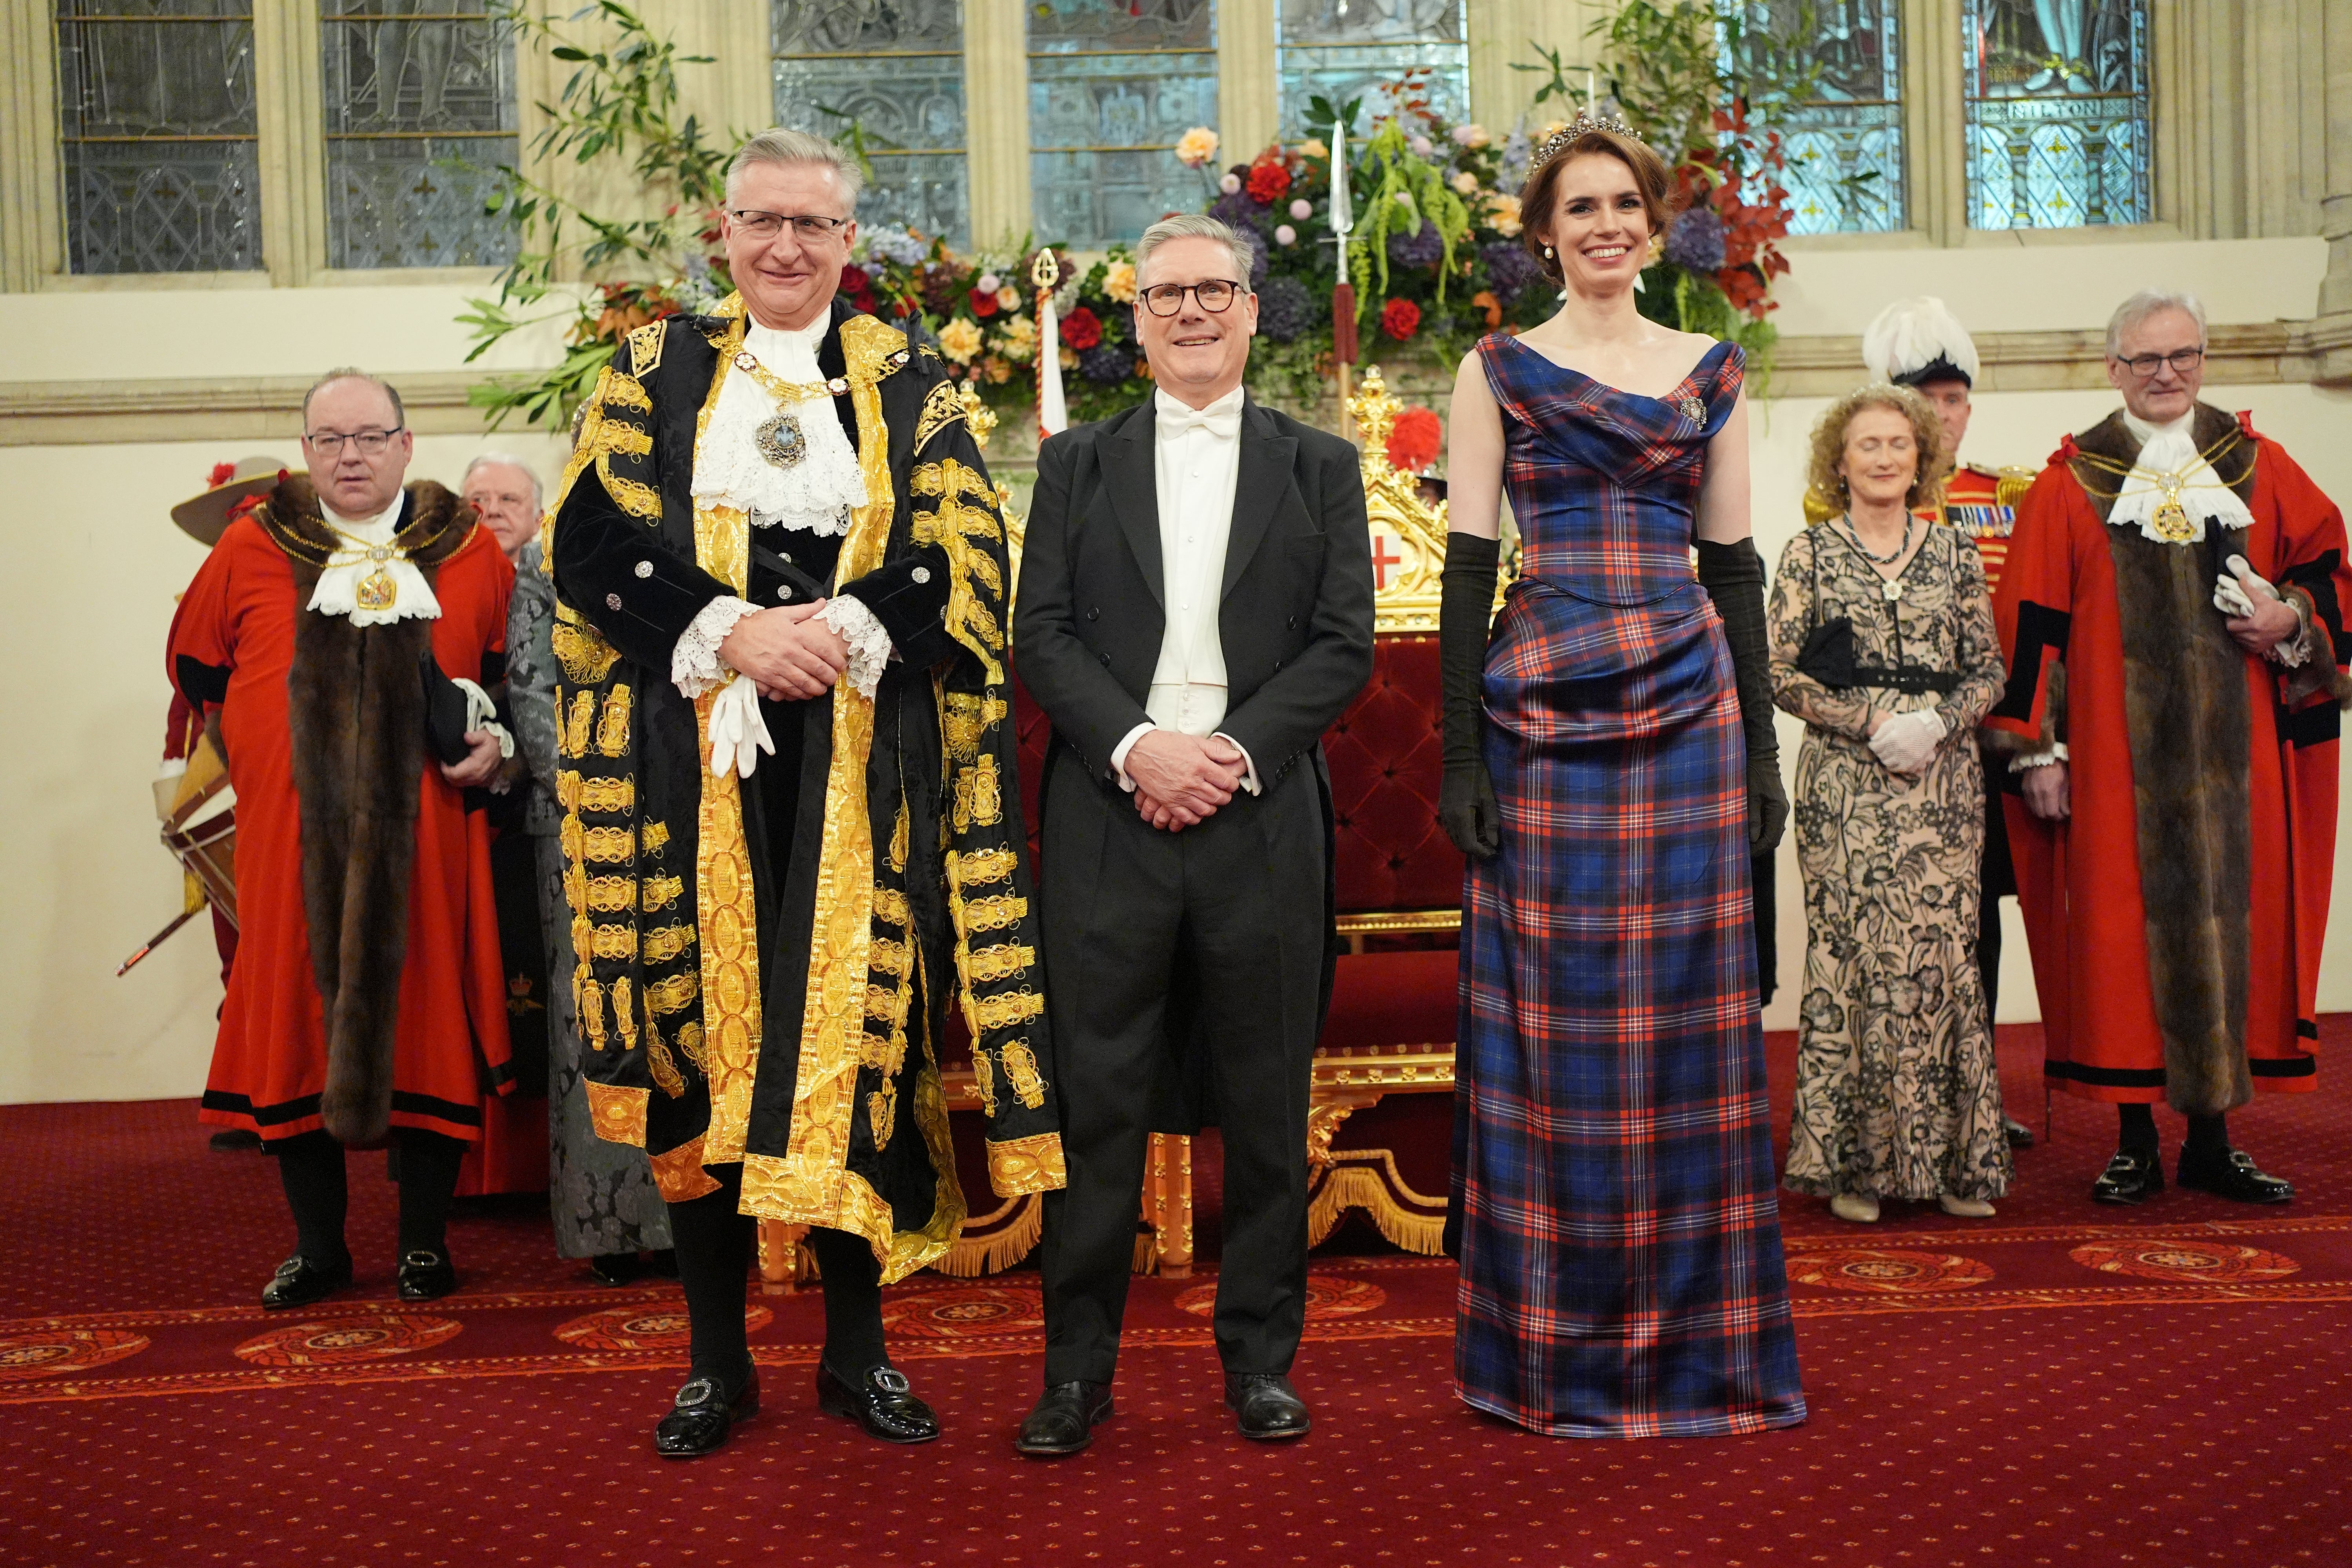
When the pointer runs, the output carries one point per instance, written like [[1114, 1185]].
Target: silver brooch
[[1693, 410], [645, 568]]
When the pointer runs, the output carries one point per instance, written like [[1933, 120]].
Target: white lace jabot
[[2169, 451], [815, 493], [338, 592]]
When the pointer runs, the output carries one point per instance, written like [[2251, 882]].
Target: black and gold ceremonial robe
[[766, 965]]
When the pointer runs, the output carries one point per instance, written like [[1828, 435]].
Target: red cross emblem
[[1382, 561]]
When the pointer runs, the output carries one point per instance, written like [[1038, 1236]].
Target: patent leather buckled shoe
[[2132, 1176], [1065, 1419], [702, 1414], [1265, 1407], [301, 1280], [2232, 1174], [883, 1402], [427, 1276]]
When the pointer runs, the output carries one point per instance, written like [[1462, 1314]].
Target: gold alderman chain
[[2170, 519], [376, 591], [780, 439]]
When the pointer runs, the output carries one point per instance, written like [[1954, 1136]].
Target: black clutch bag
[[444, 712], [1828, 654]]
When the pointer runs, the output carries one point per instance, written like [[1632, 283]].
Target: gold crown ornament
[[1585, 122]]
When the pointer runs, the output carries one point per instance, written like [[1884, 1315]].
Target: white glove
[[737, 733], [482, 714], [1908, 741], [2230, 595]]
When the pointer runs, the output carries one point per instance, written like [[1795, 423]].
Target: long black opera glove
[[1466, 800], [1733, 575]]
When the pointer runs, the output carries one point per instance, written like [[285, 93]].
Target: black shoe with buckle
[[1065, 1419], [702, 1414], [2232, 1174], [2019, 1134], [1265, 1407], [302, 1281], [427, 1276], [881, 1402], [2133, 1176]]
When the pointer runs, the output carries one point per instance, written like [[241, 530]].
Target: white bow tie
[[1224, 423]]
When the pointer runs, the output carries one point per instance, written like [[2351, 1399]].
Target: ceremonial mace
[[1343, 296]]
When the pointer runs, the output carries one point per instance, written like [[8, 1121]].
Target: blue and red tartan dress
[[1622, 1273]]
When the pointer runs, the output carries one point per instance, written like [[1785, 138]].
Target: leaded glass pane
[[1112, 85], [893, 69], [1340, 49], [1844, 144], [155, 133], [420, 98], [2057, 100]]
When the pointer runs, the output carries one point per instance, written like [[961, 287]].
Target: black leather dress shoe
[[427, 1276], [2232, 1174], [702, 1414], [2019, 1134], [2133, 1176], [1265, 1407], [616, 1267], [882, 1403], [301, 1280], [1065, 1419]]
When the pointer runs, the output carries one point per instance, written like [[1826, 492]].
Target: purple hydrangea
[[1695, 241], [1108, 363], [1510, 270], [1238, 212], [1256, 243], [1425, 248], [1285, 308]]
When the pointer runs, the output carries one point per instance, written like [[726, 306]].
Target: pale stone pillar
[[1248, 114], [996, 119]]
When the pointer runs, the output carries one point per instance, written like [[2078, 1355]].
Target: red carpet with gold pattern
[[2062, 1385]]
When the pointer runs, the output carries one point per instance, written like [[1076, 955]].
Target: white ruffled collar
[[815, 493], [369, 578], [2170, 468]]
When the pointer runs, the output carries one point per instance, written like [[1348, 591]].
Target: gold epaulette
[[1818, 507], [2011, 484]]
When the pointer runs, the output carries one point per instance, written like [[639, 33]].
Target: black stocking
[[428, 1183], [714, 1252], [311, 1168], [2138, 1133], [2208, 1134], [853, 1303]]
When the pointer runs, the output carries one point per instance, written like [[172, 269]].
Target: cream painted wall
[[93, 564]]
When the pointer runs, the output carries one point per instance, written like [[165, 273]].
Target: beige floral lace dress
[[1898, 1094]]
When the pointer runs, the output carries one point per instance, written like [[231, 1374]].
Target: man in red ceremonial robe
[[1919, 343], [323, 637], [2171, 612]]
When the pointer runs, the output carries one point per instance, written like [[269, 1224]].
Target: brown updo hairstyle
[[1829, 442], [1539, 196]]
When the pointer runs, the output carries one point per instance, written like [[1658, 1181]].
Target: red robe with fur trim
[[2176, 919], [234, 648]]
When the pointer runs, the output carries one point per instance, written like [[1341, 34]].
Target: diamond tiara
[[1585, 122]]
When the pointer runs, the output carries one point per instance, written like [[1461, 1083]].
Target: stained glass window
[[1340, 49], [892, 71], [420, 106], [1112, 85], [156, 137], [2057, 96], [1844, 144]]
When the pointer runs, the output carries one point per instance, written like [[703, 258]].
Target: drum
[[201, 833]]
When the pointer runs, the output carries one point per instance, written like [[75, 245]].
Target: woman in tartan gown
[[1622, 1269]]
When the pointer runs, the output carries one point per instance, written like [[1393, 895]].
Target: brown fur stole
[[2186, 710], [355, 713]]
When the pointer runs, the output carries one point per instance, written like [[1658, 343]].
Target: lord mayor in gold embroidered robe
[[767, 964]]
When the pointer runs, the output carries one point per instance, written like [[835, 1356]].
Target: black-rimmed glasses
[[1216, 296], [807, 228], [2181, 360], [329, 444]]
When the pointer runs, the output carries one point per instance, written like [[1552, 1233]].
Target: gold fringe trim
[[998, 1240], [1402, 1214]]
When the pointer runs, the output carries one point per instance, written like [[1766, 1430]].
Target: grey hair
[[506, 459], [1197, 226], [781, 145], [351, 373], [2149, 303]]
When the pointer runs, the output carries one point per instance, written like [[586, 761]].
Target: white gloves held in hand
[[1906, 742], [2229, 595], [737, 733]]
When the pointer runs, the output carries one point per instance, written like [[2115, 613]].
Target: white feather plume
[[1911, 334]]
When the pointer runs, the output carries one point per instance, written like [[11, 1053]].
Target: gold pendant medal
[[782, 441], [2172, 523], [377, 591]]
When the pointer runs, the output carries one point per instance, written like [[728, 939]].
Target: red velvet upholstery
[[1393, 999], [1384, 756]]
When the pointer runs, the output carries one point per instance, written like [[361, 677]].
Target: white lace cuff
[[869, 645], [694, 663], [2033, 759], [2294, 651]]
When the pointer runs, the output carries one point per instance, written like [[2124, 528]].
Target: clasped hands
[[787, 651], [2258, 619], [1906, 742], [1180, 780]]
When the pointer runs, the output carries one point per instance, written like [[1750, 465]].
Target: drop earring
[[1547, 253]]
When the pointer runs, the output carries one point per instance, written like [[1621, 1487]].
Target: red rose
[[854, 279], [1268, 183], [1414, 440], [222, 474], [1400, 318], [984, 304], [1082, 329]]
